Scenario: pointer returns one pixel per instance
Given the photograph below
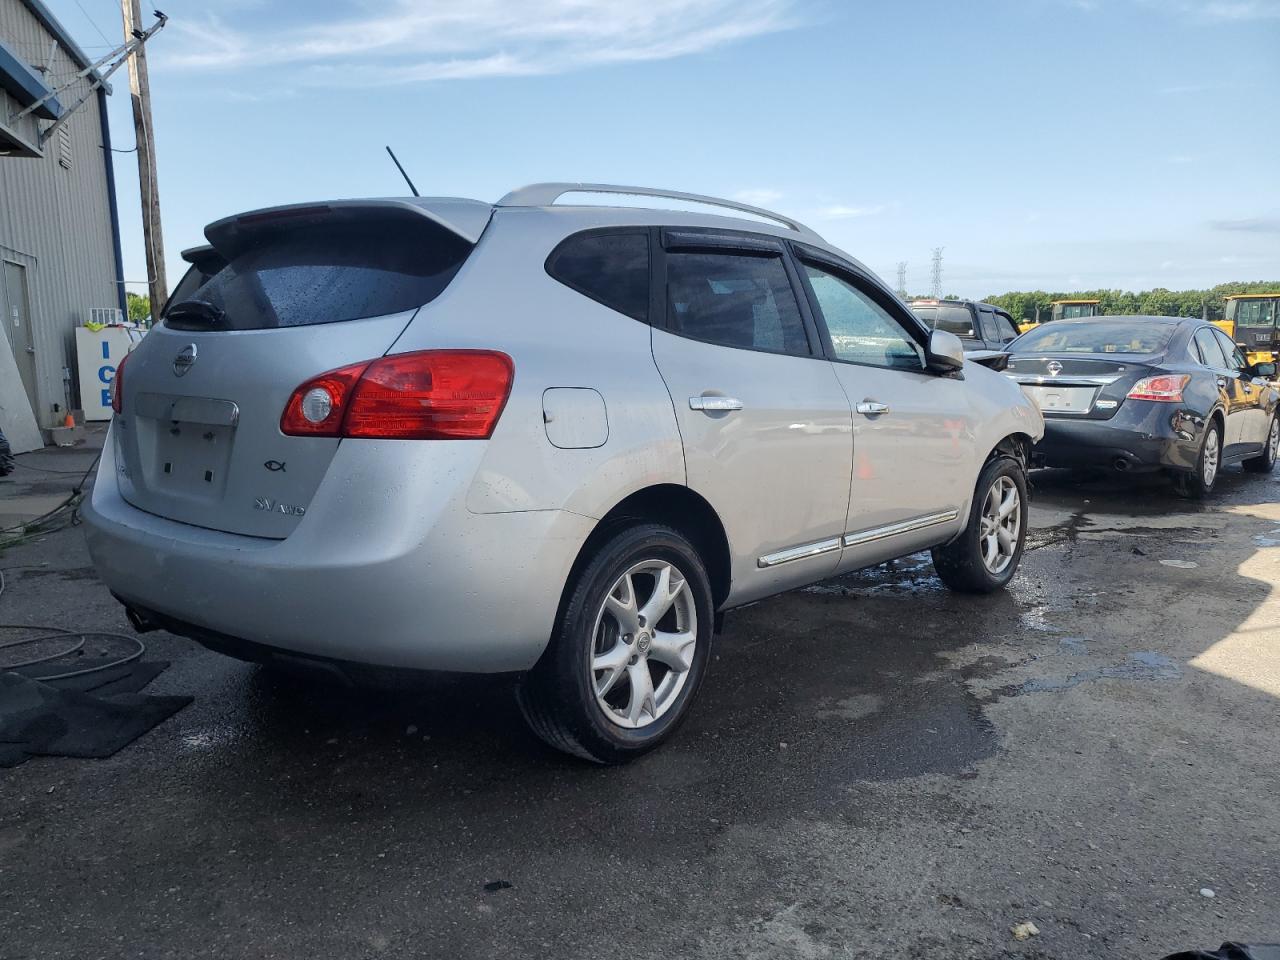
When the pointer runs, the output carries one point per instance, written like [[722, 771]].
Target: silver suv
[[557, 440]]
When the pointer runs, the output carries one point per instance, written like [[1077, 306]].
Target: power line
[[92, 22]]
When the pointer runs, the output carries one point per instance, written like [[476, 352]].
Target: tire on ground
[[557, 696], [959, 563]]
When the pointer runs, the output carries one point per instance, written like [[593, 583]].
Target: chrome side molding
[[799, 553], [893, 529], [818, 548]]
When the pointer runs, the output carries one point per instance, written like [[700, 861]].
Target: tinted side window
[[1005, 327], [1235, 359], [1210, 350], [957, 319], [612, 268], [736, 301], [987, 320], [861, 330]]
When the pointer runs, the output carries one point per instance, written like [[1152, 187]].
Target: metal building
[[60, 258]]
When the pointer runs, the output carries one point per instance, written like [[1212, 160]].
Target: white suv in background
[[540, 438]]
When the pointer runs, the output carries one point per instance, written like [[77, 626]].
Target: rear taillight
[[428, 395], [1166, 388], [117, 386]]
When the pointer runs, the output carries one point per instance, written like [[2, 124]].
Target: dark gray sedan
[[1148, 393]]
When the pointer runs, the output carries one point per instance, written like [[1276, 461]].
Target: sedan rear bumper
[[1143, 435]]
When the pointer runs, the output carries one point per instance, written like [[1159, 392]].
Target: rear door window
[[1210, 350], [1006, 330], [610, 268], [326, 273], [1235, 357], [735, 300]]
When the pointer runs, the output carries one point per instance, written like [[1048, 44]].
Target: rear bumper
[[1143, 435], [379, 572]]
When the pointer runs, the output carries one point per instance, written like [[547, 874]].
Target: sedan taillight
[[1166, 388], [427, 395]]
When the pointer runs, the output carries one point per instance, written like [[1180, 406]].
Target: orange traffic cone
[[70, 421]]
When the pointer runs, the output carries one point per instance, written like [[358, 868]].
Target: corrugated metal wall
[[57, 221]]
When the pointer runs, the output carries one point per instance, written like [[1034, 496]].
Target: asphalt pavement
[[876, 767]]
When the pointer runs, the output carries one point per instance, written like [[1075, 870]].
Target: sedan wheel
[[1201, 481], [1266, 461]]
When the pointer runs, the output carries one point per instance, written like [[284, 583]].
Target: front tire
[[986, 555], [1199, 483], [629, 651], [1266, 462]]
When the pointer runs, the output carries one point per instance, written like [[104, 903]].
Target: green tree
[[139, 307]]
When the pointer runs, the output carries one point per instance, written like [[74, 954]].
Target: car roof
[[469, 218]]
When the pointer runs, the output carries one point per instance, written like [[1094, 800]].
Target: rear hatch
[[1090, 387], [304, 290]]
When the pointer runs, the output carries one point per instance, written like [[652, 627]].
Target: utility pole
[[902, 279], [143, 128], [937, 273]]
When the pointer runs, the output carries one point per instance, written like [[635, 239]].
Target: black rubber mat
[[57, 720]]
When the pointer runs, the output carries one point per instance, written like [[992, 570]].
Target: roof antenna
[[403, 174]]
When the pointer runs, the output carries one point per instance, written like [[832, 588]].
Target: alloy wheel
[[1209, 470], [643, 643], [1001, 525], [1273, 442]]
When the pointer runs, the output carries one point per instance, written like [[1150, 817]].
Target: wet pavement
[[875, 768]]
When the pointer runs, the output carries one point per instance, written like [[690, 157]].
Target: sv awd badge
[[271, 506]]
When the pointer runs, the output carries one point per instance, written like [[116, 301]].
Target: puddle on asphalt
[[1144, 665], [1269, 539]]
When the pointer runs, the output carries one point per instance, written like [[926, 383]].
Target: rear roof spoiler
[[466, 219]]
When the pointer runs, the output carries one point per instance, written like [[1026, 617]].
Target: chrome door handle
[[31, 349], [1222, 383], [870, 408], [713, 404]]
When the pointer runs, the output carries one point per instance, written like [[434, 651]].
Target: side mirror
[[1267, 371], [945, 352]]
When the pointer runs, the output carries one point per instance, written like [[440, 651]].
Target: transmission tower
[[937, 272], [902, 279]]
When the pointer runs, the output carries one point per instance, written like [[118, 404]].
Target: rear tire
[[1200, 482], [629, 651], [986, 555], [1266, 461]]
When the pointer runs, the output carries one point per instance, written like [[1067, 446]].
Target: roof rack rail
[[546, 194]]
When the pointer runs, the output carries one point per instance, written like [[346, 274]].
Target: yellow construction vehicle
[[1250, 320], [1067, 310]]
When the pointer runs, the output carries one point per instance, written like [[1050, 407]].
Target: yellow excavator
[[1067, 310], [1250, 320]]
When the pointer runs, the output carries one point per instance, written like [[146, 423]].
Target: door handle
[[714, 404], [1222, 383], [31, 349], [871, 408]]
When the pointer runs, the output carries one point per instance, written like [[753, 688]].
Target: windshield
[[1138, 336], [1252, 313]]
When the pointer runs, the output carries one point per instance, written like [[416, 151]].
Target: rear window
[[611, 268], [325, 273], [1065, 337], [955, 319]]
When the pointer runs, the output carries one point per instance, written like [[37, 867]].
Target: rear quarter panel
[[503, 299]]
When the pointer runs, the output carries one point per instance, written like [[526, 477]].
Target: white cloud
[[411, 41], [758, 196], [843, 212]]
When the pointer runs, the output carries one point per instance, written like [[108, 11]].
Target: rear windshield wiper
[[195, 313]]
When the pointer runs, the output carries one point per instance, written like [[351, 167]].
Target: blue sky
[[1055, 144]]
